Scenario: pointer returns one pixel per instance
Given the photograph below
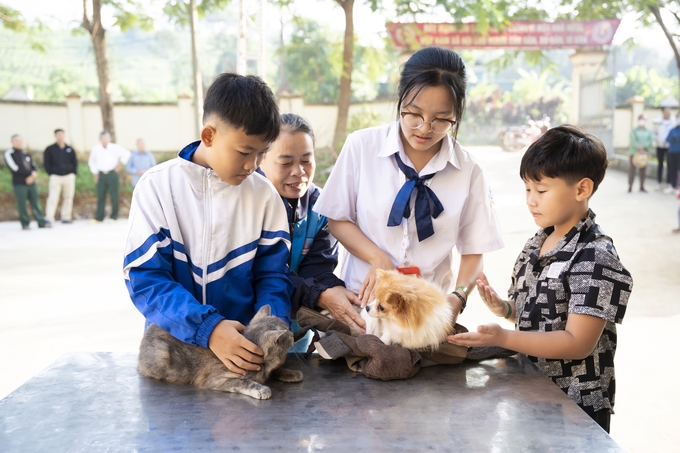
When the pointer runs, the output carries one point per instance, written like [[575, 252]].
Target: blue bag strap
[[304, 233]]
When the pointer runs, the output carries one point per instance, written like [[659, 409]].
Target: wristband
[[465, 290], [462, 299], [507, 316]]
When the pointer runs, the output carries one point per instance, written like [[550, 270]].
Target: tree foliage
[[313, 61], [649, 12], [178, 10], [647, 83], [12, 19]]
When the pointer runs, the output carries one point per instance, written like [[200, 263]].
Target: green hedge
[[84, 181]]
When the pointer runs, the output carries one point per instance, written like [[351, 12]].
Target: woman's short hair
[[292, 123]]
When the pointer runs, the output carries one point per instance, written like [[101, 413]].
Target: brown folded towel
[[368, 355]]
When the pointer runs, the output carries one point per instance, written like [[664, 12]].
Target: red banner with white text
[[519, 35]]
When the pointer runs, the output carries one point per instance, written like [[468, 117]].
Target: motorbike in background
[[517, 138]]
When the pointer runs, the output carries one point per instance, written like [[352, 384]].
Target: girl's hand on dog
[[489, 296], [486, 335], [367, 290]]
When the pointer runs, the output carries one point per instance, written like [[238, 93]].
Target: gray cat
[[162, 356]]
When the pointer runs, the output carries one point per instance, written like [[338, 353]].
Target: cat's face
[[271, 334]]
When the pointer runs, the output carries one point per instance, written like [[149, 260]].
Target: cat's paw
[[260, 393], [263, 393], [285, 375]]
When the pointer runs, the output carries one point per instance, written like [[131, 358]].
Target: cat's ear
[[266, 310], [276, 336]]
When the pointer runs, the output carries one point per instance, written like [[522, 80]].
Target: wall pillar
[[586, 62], [75, 134], [637, 107], [291, 103], [186, 130]]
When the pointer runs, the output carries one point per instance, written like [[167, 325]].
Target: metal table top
[[98, 402]]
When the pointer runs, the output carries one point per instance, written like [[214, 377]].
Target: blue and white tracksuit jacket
[[200, 250]]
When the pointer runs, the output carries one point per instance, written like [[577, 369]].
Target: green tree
[[313, 64], [187, 12], [646, 83], [12, 19], [128, 15], [313, 61], [647, 11], [487, 14]]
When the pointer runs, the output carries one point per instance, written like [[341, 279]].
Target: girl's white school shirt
[[362, 188]]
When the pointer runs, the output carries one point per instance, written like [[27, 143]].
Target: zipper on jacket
[[207, 221]]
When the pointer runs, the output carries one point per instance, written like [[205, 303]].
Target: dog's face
[[394, 295]]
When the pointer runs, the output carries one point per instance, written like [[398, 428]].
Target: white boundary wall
[[167, 127]]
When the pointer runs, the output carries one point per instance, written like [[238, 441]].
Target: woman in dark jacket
[[290, 165]]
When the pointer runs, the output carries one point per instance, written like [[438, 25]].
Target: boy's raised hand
[[489, 296], [486, 335], [233, 349]]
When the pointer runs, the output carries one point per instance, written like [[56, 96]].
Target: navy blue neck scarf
[[427, 204]]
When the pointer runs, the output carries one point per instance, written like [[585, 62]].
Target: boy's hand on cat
[[367, 290], [338, 300], [486, 335], [489, 296], [233, 349]]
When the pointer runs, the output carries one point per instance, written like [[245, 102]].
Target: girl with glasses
[[406, 195]]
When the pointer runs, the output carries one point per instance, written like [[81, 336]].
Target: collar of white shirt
[[446, 154]]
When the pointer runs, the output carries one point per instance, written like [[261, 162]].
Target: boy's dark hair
[[58, 130], [565, 152], [243, 102], [103, 133], [432, 67], [292, 123]]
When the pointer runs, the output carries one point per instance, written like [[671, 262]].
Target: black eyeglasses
[[438, 125]]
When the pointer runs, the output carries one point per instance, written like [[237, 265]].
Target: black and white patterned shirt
[[581, 275]]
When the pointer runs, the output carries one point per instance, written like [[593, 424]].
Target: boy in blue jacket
[[208, 240]]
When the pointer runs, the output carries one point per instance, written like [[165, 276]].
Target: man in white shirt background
[[106, 159]]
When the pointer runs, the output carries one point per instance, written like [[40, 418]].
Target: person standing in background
[[106, 159], [140, 161], [662, 126], [24, 177], [61, 164], [673, 157], [641, 140]]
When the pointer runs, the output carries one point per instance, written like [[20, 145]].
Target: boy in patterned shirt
[[569, 287]]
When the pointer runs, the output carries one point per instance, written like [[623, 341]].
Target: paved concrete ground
[[62, 290]]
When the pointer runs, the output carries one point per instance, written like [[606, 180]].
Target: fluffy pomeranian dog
[[408, 311]]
